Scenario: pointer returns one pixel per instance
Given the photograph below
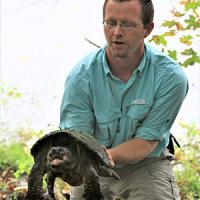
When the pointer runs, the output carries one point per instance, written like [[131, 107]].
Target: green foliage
[[16, 152], [187, 165], [172, 54], [191, 5], [181, 25], [7, 93], [15, 155], [159, 40], [193, 57]]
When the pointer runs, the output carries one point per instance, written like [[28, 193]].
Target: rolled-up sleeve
[[76, 110], [168, 100]]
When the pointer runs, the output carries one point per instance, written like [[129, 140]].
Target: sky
[[40, 43]]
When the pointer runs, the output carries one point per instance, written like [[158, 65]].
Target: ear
[[148, 29]]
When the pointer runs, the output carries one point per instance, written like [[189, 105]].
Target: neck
[[123, 67]]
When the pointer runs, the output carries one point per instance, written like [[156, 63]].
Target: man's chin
[[119, 54]]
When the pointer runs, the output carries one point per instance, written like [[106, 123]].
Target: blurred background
[[42, 40]]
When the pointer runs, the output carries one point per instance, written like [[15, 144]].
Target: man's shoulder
[[166, 70], [88, 62], [161, 62]]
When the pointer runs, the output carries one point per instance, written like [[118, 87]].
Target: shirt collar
[[139, 69], [143, 61], [105, 63]]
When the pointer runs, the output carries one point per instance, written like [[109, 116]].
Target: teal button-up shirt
[[113, 111]]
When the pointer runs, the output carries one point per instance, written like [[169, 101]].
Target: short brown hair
[[147, 10]]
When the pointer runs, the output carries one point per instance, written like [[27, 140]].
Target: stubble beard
[[118, 53]]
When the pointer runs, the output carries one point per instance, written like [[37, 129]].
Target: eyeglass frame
[[124, 25]]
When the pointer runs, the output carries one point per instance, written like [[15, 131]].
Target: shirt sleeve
[[76, 110], [167, 102]]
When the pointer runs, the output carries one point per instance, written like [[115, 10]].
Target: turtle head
[[60, 158]]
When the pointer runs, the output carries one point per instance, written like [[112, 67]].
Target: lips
[[118, 42]]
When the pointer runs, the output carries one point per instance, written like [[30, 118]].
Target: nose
[[118, 30]]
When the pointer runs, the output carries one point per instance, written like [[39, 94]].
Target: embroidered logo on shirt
[[139, 101]]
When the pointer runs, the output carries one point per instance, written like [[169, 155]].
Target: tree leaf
[[192, 22], [177, 14], [186, 39], [192, 5], [179, 26], [169, 23], [189, 61], [193, 57], [159, 40], [188, 52], [172, 54], [170, 33]]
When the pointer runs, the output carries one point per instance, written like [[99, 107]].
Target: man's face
[[125, 39]]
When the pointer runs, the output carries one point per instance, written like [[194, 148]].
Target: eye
[[128, 25], [110, 23]]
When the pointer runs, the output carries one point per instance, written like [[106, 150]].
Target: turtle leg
[[35, 181], [35, 184], [92, 190], [107, 172], [50, 180]]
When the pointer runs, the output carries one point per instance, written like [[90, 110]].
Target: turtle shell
[[67, 137]]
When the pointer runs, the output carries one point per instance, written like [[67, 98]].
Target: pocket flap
[[138, 111], [103, 116]]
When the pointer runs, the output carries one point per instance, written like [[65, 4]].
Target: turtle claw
[[116, 176]]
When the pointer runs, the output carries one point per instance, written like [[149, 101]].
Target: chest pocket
[[137, 113], [106, 127]]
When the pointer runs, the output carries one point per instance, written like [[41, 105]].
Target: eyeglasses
[[125, 25]]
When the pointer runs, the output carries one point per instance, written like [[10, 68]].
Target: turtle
[[76, 157]]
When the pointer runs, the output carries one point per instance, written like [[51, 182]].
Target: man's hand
[[132, 151]]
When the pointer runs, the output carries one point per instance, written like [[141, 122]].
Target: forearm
[[132, 151]]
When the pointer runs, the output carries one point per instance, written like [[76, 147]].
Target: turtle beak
[[59, 161], [56, 162]]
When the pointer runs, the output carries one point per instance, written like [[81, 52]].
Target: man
[[127, 95]]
